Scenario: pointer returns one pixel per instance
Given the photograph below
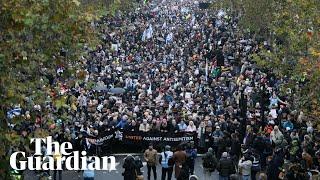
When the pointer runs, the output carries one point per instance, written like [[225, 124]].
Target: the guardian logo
[[55, 160]]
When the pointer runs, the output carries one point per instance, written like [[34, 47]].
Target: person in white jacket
[[144, 127], [245, 165], [191, 127], [276, 136]]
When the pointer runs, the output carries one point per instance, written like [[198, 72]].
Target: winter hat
[[224, 154], [310, 129]]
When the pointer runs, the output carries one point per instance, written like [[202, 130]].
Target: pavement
[[116, 175]]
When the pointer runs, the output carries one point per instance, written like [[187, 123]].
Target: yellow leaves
[[41, 133], [89, 17], [13, 137], [10, 93], [314, 52], [76, 2]]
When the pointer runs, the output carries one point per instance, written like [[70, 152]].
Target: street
[[116, 175]]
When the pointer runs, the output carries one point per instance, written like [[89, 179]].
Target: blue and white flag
[[14, 112], [193, 20], [169, 38], [164, 25], [221, 13], [149, 32], [207, 70], [149, 91], [144, 35]]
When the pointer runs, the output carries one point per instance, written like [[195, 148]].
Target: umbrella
[[101, 88], [117, 90]]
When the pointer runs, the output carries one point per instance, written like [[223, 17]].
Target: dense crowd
[[172, 67]]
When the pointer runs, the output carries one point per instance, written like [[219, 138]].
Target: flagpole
[[206, 70]]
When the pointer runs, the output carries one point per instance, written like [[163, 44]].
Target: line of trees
[[291, 27], [36, 37]]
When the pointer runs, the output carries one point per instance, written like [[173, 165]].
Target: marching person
[[138, 164], [184, 172], [150, 156], [129, 168], [88, 174], [191, 157], [57, 156], [179, 157], [225, 167], [245, 165], [209, 163], [166, 161]]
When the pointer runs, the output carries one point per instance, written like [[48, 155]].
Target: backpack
[[256, 165], [208, 162]]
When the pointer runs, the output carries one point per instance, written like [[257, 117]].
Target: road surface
[[116, 175]]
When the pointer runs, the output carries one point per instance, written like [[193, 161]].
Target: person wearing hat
[[225, 167], [191, 156], [216, 136], [167, 163], [209, 163], [193, 177], [245, 165], [277, 136]]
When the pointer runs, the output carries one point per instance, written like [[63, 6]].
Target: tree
[[292, 29], [255, 16], [32, 35], [296, 51], [36, 38]]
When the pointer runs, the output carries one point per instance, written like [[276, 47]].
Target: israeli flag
[[149, 91], [193, 20], [149, 32], [207, 70], [169, 38], [144, 35], [221, 13], [14, 112], [164, 25]]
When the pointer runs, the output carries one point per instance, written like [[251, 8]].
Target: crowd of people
[[170, 66]]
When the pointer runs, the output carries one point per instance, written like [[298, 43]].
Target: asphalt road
[[116, 175]]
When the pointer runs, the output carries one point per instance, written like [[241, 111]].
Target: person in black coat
[[235, 145], [129, 168], [219, 56], [226, 166], [273, 170], [184, 173], [138, 165]]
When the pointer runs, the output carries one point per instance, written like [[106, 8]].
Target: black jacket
[[226, 167], [129, 169]]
